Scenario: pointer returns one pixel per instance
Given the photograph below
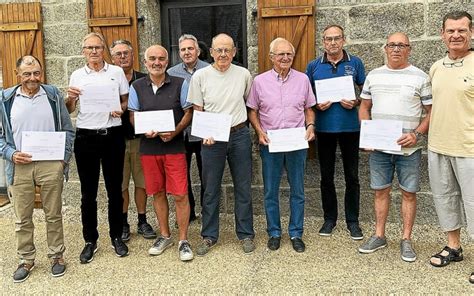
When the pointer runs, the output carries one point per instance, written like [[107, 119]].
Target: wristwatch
[[418, 135]]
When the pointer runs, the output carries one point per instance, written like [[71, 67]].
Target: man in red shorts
[[163, 154]]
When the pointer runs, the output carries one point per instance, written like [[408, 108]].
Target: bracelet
[[309, 124]]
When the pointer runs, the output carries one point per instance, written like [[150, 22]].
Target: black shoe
[[298, 244], [327, 228], [355, 231], [23, 272], [120, 247], [274, 243], [146, 230], [58, 267], [87, 254], [126, 232]]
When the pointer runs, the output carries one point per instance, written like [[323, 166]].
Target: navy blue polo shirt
[[337, 119]]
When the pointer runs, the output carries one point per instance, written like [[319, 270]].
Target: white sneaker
[[185, 252], [160, 245]]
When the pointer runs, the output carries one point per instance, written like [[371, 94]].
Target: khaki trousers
[[48, 175]]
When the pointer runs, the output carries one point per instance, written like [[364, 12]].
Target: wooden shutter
[[20, 34], [115, 19], [292, 20]]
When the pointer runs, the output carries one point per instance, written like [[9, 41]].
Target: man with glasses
[[397, 91], [163, 153], [189, 52], [122, 56], [99, 140], [223, 88], [451, 136], [35, 107], [338, 123], [282, 98]]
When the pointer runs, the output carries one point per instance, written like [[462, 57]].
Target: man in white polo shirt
[[99, 140], [396, 91]]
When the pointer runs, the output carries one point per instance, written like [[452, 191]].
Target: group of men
[[280, 98]]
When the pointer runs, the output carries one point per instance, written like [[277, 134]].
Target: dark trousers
[[349, 146], [193, 147], [91, 151]]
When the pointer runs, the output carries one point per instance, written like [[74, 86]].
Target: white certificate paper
[[103, 97], [380, 134], [206, 125], [158, 121], [335, 89], [288, 139], [44, 145]]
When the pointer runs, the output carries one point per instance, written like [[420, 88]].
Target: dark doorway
[[204, 19]]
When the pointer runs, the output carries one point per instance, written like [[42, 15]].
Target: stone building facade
[[367, 24]]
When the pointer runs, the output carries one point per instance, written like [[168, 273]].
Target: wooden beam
[[287, 11], [299, 32], [109, 22], [27, 26]]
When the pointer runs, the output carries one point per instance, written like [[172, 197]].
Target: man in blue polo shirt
[[338, 122]]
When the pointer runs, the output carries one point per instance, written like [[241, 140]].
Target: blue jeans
[[383, 166], [272, 166], [238, 152]]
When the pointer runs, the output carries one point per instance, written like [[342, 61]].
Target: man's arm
[[254, 120], [184, 122], [364, 110], [309, 120], [410, 139], [72, 98]]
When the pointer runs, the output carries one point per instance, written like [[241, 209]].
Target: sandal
[[471, 278], [453, 255]]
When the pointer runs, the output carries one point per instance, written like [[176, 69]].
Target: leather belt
[[98, 132], [238, 126]]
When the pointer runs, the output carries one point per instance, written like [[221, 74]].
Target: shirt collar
[[41, 92], [89, 70], [345, 57], [150, 83], [277, 75]]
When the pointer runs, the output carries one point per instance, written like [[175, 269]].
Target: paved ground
[[329, 266]]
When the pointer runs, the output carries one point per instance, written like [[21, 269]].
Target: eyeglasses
[[281, 55], [29, 74], [331, 39], [453, 64], [400, 46], [222, 50], [92, 48], [121, 53]]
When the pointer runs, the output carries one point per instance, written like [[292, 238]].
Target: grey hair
[[189, 37], [279, 40], [93, 34], [120, 41], [27, 60]]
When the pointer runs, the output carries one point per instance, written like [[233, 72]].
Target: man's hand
[[166, 137], [348, 104], [116, 114], [263, 139], [151, 134], [21, 158], [310, 136], [407, 140], [323, 106], [209, 141]]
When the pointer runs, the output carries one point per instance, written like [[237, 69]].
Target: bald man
[[223, 88], [396, 91], [162, 154]]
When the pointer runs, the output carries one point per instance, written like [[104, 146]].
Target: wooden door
[[115, 19], [20, 34], [292, 20]]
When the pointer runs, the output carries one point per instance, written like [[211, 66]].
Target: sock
[[125, 218], [141, 218]]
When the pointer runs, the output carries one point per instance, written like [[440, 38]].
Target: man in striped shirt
[[396, 91]]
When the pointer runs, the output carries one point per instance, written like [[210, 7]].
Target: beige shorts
[[132, 166]]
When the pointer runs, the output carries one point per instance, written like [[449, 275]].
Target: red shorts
[[165, 173]]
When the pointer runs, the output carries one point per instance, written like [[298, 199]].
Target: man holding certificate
[[333, 76], [281, 99], [162, 150], [36, 111], [222, 88], [397, 91], [102, 90]]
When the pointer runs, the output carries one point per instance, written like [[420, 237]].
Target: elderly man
[[338, 123], [396, 91], [35, 107], [451, 138], [122, 56], [282, 98], [163, 153], [188, 52], [223, 88], [99, 139]]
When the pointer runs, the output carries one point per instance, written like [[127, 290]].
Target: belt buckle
[[102, 132]]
